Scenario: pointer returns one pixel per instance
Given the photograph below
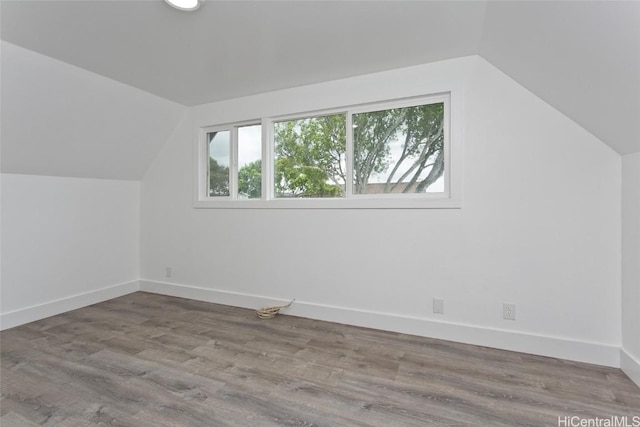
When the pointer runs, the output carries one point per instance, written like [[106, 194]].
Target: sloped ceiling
[[60, 120], [581, 57]]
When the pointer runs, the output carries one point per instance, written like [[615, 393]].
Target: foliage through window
[[249, 162], [395, 151], [310, 157], [400, 150], [219, 163]]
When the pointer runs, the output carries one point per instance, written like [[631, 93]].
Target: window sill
[[368, 203]]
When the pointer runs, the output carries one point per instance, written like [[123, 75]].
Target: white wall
[[540, 227], [631, 266], [66, 243], [71, 242]]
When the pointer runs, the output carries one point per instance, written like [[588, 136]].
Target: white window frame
[[451, 198], [270, 146], [202, 167]]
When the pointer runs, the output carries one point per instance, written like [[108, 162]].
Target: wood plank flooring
[[151, 360]]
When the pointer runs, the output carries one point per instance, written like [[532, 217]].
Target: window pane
[[400, 150], [310, 157], [250, 162], [218, 163]]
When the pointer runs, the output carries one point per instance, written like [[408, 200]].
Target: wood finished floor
[[151, 360]]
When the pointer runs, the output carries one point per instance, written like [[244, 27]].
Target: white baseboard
[[589, 352], [597, 353], [630, 366], [51, 308]]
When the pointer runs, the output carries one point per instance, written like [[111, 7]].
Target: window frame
[[203, 161], [271, 147], [449, 199], [403, 103]]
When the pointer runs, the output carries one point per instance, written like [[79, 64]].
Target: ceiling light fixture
[[186, 5]]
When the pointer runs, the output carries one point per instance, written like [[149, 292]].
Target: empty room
[[320, 213]]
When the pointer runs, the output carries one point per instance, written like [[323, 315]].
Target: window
[[229, 149], [392, 154], [219, 146], [310, 157], [399, 150], [250, 162]]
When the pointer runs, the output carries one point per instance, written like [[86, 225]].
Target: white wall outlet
[[509, 311], [438, 306], [168, 272]]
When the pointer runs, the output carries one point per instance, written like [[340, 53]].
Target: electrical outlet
[[509, 311], [168, 272], [438, 306]]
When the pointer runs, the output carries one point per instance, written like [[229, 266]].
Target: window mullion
[[268, 156], [203, 166], [233, 164], [447, 148], [349, 156]]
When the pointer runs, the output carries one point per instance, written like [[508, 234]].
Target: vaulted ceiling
[[581, 57]]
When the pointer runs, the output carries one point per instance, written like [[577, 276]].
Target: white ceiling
[[60, 120], [581, 57], [229, 49]]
